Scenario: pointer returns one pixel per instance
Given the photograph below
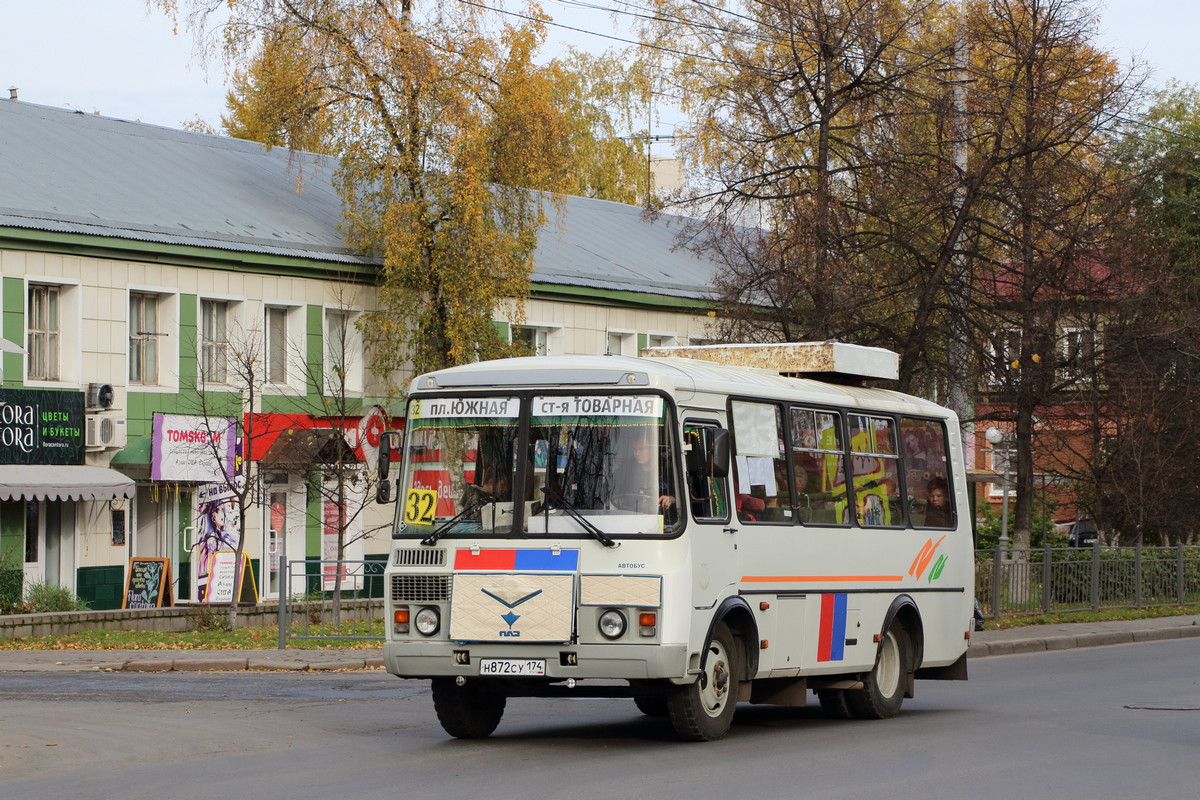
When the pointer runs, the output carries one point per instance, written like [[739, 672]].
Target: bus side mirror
[[383, 489], [718, 466], [385, 455]]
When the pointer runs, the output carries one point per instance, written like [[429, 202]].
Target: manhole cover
[[1163, 707]]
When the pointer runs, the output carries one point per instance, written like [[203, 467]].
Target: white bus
[[678, 532]]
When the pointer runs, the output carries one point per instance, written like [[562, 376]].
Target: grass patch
[[264, 638], [1107, 615]]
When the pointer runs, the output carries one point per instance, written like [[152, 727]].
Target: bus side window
[[707, 464], [928, 471], [819, 465], [762, 490]]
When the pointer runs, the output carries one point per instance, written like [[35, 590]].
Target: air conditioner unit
[[100, 396], [105, 431]]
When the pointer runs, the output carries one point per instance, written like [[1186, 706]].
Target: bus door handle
[[730, 530]]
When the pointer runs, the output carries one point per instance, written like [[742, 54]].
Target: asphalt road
[[1099, 723]]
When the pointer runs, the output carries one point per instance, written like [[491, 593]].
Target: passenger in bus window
[[938, 513], [642, 475]]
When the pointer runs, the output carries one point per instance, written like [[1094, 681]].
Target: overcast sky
[[112, 57]]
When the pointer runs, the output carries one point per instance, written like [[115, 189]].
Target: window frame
[[351, 348], [210, 347], [46, 339], [68, 334], [1077, 345], [141, 341], [1004, 349]]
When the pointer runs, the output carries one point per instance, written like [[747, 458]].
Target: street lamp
[[996, 437]]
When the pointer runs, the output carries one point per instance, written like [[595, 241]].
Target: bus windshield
[[588, 463], [607, 457]]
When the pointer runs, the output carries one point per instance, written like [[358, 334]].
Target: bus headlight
[[428, 621], [612, 624]]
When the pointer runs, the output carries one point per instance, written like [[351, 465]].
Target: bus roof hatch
[[828, 361]]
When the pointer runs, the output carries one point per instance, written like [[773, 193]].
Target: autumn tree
[[1044, 99], [789, 104], [443, 123], [1139, 479]]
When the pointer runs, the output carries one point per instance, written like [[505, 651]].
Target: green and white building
[[138, 261]]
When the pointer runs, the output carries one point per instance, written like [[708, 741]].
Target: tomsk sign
[[41, 427]]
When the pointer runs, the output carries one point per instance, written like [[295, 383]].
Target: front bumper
[[414, 659]]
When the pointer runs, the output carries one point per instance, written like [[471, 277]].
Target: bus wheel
[[470, 711], [883, 688], [703, 711], [834, 703]]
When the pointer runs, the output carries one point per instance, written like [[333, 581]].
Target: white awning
[[69, 482]]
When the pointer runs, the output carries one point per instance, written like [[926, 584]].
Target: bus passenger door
[[713, 537]]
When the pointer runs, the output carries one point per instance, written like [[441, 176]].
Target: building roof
[[67, 172]]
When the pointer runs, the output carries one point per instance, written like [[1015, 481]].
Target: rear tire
[[883, 688], [703, 711], [470, 711]]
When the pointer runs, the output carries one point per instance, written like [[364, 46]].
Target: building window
[[276, 345], [621, 343], [343, 349], [535, 340], [143, 339], [1077, 353], [43, 345], [1006, 349], [660, 340], [214, 341]]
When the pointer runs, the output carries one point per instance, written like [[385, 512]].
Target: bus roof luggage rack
[[834, 362]]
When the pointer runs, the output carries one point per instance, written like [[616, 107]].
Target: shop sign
[[192, 448], [41, 427]]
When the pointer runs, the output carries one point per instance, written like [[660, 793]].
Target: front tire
[[470, 711], [703, 711], [883, 688]]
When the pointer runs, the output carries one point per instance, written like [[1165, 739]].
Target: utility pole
[[958, 350]]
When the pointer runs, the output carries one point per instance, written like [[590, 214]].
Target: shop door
[[283, 516], [50, 543], [156, 529]]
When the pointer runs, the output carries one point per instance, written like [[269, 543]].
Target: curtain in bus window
[[875, 466], [758, 434], [927, 469]]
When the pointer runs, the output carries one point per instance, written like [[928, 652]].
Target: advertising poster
[[191, 448]]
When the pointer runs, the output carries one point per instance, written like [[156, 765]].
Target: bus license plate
[[514, 667]]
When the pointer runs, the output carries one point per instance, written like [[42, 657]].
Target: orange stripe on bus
[[817, 578]]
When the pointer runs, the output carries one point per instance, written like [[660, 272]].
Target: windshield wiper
[[574, 513], [481, 500]]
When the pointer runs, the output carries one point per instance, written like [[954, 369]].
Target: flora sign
[[41, 427]]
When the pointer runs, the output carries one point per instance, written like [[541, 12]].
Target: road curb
[[1104, 638]]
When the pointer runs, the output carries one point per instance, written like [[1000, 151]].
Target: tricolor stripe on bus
[[831, 640], [537, 560]]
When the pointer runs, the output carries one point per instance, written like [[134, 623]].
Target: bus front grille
[[420, 588], [420, 557]]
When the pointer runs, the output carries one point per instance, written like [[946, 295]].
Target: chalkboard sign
[[148, 583]]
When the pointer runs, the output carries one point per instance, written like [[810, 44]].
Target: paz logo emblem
[[510, 617]]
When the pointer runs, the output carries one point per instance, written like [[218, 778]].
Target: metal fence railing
[[1049, 580], [312, 611]]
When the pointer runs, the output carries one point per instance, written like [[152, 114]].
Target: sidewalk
[[1030, 639]]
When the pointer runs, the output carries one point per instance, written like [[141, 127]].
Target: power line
[[1110, 125]]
